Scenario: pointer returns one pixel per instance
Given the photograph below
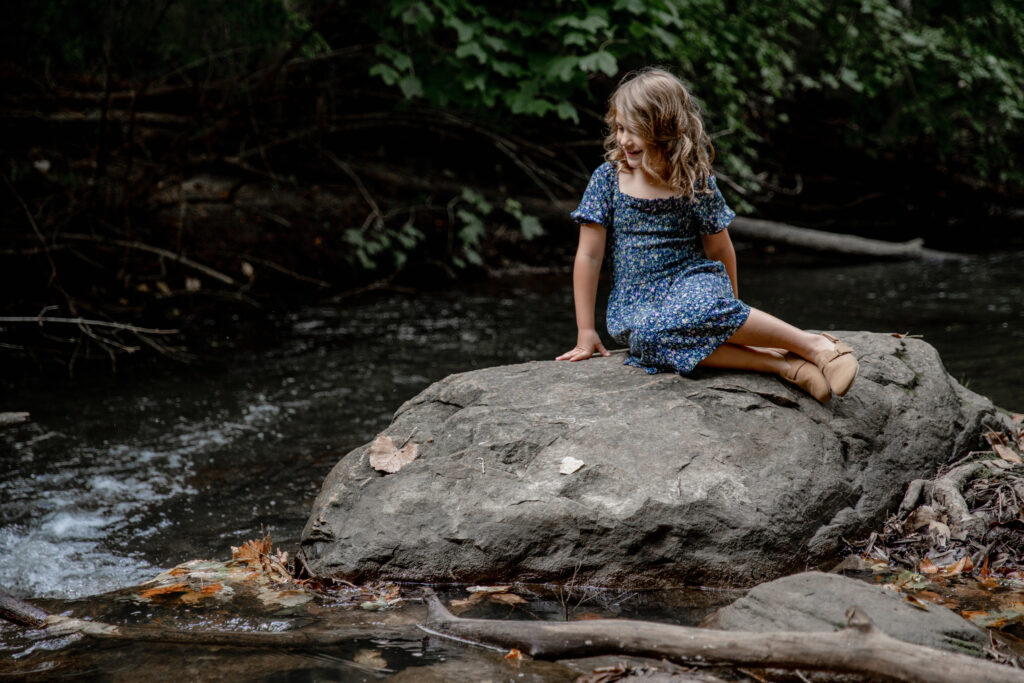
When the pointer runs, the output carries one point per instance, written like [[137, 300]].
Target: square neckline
[[630, 197]]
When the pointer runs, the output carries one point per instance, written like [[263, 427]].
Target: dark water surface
[[117, 478]]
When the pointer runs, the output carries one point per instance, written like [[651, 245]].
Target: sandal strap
[[841, 348], [793, 370]]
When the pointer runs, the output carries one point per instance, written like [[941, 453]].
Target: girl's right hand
[[587, 344]]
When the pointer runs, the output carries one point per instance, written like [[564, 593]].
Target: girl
[[674, 294]]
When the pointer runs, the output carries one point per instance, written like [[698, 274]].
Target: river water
[[118, 477]]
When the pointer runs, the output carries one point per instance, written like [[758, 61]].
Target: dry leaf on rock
[[914, 602], [489, 589], [922, 516], [939, 533], [1006, 453], [994, 438], [385, 456], [569, 465]]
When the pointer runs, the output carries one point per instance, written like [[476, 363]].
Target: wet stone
[[813, 601]]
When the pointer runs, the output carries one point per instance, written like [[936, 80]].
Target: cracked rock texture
[[720, 478], [818, 602]]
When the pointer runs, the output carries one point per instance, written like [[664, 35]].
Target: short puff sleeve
[[598, 198], [711, 213]]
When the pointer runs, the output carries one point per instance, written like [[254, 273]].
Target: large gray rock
[[813, 601], [722, 478]]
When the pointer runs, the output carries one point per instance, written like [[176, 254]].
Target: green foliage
[[369, 246], [473, 226], [946, 76]]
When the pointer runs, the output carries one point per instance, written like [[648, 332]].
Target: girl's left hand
[[584, 350]]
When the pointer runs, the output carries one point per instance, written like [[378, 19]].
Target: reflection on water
[[116, 478]]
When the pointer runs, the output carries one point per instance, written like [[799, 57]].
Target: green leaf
[[514, 207], [567, 112], [419, 16], [562, 68], [600, 60], [471, 48], [386, 73], [477, 200], [530, 227], [411, 87]]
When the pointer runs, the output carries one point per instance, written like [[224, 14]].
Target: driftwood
[[860, 648], [758, 230]]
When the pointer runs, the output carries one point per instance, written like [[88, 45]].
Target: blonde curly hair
[[657, 107]]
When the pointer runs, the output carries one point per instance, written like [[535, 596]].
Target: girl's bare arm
[[585, 273], [718, 247]]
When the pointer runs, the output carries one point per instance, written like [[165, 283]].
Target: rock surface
[[813, 601], [721, 478]]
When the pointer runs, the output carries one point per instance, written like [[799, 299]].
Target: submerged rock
[[718, 478], [813, 601]]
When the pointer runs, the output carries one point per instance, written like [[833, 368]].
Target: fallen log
[[758, 230], [860, 648]]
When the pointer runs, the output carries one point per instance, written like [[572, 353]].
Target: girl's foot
[[807, 376], [838, 365]]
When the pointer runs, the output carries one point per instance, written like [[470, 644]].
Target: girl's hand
[[587, 343]]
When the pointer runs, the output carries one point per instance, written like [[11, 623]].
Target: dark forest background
[[171, 163]]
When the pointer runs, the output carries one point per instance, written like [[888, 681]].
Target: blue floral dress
[[670, 304]]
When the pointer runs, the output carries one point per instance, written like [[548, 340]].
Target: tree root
[[859, 648], [945, 492]]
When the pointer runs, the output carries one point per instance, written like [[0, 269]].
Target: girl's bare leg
[[802, 373], [762, 329], [760, 344], [737, 357]]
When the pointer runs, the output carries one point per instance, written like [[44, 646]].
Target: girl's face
[[630, 143]]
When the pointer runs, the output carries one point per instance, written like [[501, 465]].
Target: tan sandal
[[807, 376], [839, 366]]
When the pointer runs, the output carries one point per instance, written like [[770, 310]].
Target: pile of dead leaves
[[958, 539], [971, 515], [254, 569]]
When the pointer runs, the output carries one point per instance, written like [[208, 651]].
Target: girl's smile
[[630, 143]]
